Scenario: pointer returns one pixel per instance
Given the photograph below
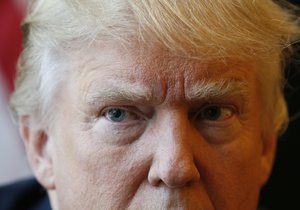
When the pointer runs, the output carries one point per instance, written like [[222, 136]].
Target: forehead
[[153, 75], [155, 80], [138, 68]]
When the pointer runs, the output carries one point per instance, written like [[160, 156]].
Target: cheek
[[89, 170], [242, 157], [233, 173]]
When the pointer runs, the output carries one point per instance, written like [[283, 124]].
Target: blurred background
[[13, 163], [281, 192]]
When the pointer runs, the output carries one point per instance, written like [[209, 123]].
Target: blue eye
[[214, 113], [121, 115], [116, 114]]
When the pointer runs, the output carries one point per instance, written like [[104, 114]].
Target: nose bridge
[[173, 161], [175, 139]]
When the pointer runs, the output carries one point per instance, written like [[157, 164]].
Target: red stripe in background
[[10, 39]]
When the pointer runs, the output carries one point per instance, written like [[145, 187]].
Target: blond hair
[[202, 29]]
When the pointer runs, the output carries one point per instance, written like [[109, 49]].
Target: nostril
[[174, 175], [179, 175], [153, 177]]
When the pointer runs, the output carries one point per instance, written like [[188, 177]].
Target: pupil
[[213, 113], [115, 114]]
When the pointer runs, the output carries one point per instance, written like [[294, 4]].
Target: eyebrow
[[224, 88], [120, 91], [125, 91]]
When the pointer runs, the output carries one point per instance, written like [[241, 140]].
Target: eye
[[216, 113], [120, 115]]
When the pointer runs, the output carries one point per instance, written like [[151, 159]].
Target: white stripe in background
[[13, 161]]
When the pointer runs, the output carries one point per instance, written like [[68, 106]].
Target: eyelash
[[128, 113], [229, 109]]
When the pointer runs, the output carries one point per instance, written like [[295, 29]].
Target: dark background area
[[282, 190]]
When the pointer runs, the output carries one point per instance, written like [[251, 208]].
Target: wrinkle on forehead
[[144, 75], [155, 59]]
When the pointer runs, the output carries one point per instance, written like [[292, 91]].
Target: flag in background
[[13, 162]]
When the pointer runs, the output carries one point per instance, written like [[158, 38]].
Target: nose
[[173, 163]]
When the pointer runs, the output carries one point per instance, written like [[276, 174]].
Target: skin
[[166, 153]]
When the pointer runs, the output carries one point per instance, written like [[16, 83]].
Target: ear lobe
[[38, 148], [267, 157]]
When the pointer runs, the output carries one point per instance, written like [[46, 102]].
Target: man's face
[[144, 129]]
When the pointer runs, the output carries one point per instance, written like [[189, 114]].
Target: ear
[[38, 148], [268, 156]]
